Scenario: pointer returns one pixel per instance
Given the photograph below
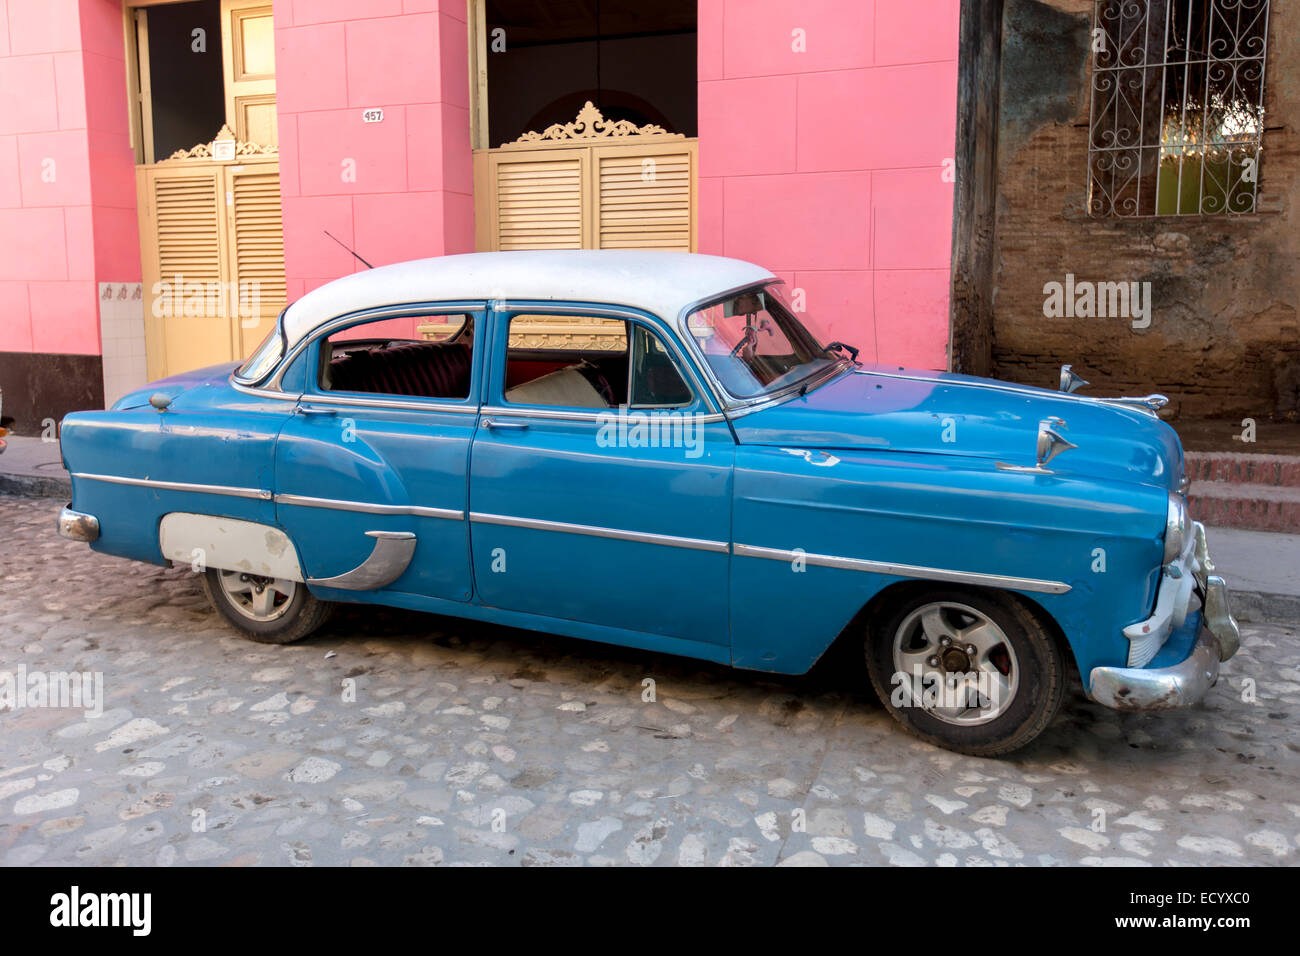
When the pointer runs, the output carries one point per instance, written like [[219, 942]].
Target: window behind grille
[[1177, 107]]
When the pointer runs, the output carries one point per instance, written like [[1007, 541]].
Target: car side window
[[428, 356], [576, 361]]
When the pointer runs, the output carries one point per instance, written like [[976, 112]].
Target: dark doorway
[[635, 60], [185, 74]]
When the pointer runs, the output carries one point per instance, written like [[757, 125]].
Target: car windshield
[[263, 358], [755, 345]]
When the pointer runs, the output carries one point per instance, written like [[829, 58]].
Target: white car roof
[[662, 283]]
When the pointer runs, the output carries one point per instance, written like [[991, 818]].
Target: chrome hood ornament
[[1050, 443], [1151, 403], [1070, 382]]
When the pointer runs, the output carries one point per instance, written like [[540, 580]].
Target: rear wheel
[[971, 671], [266, 610]]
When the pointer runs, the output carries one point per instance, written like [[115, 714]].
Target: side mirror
[[160, 400]]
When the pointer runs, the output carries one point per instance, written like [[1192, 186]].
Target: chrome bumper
[[1217, 639], [78, 527]]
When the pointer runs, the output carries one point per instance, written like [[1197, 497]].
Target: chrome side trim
[[233, 492], [643, 537], [904, 570], [387, 562], [76, 526], [336, 504], [556, 414]]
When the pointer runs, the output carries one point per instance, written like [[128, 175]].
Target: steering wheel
[[750, 338]]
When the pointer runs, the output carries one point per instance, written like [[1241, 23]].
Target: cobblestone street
[[470, 744]]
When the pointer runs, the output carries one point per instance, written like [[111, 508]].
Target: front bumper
[[1217, 638], [77, 526]]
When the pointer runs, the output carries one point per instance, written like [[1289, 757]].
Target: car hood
[[892, 409]]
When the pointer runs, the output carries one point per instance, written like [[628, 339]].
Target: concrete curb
[[1252, 607], [36, 486]]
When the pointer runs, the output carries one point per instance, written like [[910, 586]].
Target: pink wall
[[67, 178], [411, 192], [827, 165]]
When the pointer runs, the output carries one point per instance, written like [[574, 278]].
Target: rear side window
[[414, 356]]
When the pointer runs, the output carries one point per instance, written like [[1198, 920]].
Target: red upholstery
[[422, 369]]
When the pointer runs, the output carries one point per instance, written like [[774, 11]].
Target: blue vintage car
[[656, 450]]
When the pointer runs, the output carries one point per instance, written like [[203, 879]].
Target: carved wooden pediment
[[225, 135], [589, 125]]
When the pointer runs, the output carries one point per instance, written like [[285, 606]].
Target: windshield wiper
[[853, 353]]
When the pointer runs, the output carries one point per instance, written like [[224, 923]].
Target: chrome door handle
[[505, 426], [309, 410]]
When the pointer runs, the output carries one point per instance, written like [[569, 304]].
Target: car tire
[[1011, 667], [291, 613]]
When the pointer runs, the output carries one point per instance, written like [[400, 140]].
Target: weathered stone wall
[[1223, 337]]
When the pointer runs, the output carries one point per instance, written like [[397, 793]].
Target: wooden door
[[589, 184], [248, 55], [213, 259], [255, 250]]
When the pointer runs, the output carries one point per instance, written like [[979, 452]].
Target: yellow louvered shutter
[[643, 197], [181, 210], [211, 233], [257, 247], [621, 193], [539, 199]]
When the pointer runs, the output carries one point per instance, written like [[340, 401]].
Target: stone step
[[1256, 507], [1243, 468]]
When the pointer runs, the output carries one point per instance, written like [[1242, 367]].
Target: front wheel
[[970, 671], [266, 610]]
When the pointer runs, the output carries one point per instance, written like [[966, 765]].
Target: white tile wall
[[121, 326]]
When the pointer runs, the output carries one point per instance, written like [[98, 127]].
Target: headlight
[[1176, 525]]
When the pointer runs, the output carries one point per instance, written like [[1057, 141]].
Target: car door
[[371, 469], [578, 512]]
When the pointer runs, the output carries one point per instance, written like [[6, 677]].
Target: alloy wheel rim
[[955, 663], [258, 598]]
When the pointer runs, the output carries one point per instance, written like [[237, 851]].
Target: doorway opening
[[584, 121], [207, 178]]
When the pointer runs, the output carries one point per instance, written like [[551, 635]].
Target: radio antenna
[[340, 242]]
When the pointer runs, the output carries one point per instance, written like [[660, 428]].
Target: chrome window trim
[[701, 388], [784, 395], [573, 415], [279, 329], [734, 404], [373, 313], [904, 570], [229, 490], [264, 392], [338, 504], [618, 534]]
